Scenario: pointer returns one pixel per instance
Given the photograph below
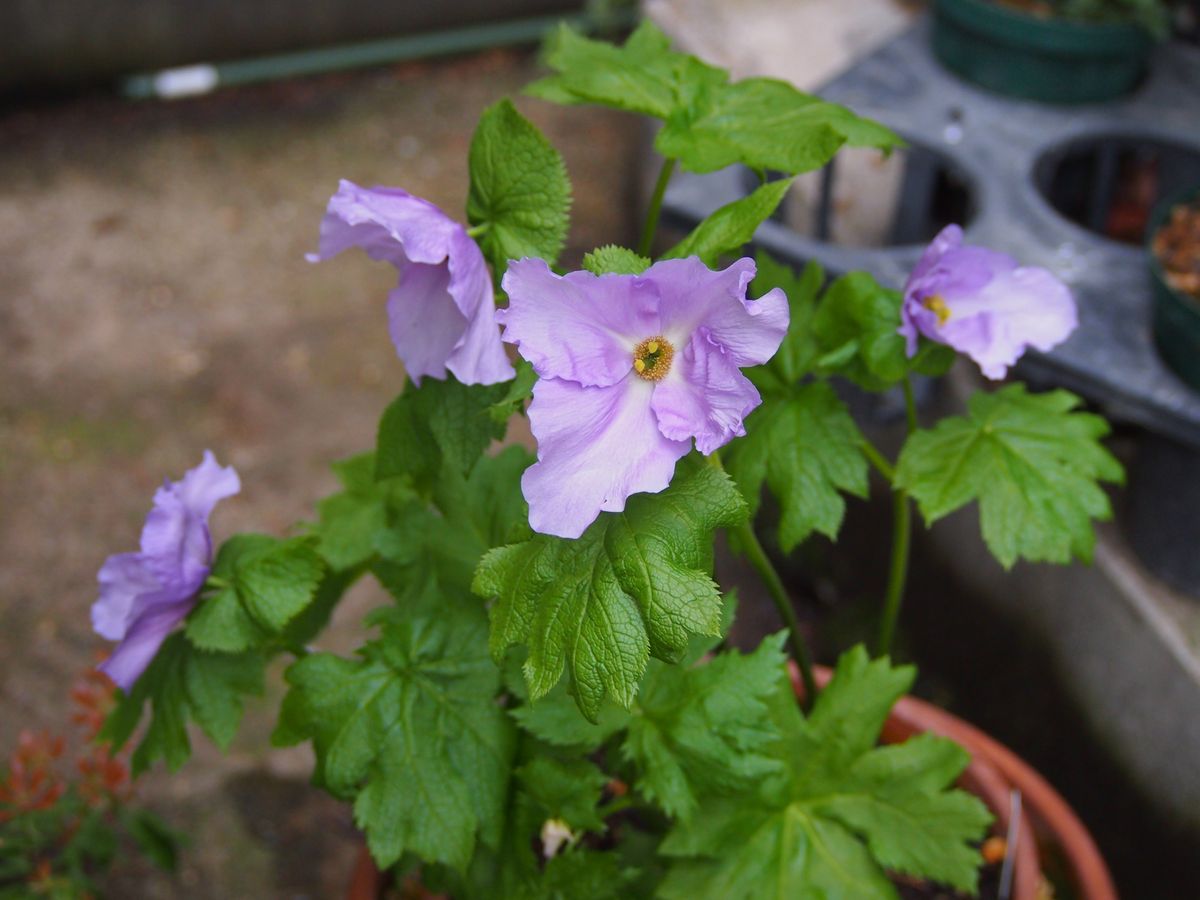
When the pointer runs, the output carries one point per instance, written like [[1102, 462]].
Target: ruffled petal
[[579, 327], [1027, 307], [390, 224], [704, 396], [596, 446], [424, 322], [947, 239], [478, 356], [131, 657], [694, 296], [123, 578], [175, 541]]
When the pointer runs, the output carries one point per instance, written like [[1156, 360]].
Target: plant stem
[[616, 805], [646, 244], [758, 558], [476, 230], [901, 543], [878, 460]]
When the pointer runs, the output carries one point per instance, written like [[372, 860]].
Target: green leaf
[[566, 789], [732, 226], [709, 122], [804, 444], [611, 259], [440, 422], [520, 194], [555, 719], [351, 520], [635, 584], [856, 325], [644, 76], [412, 731], [520, 389], [766, 125], [799, 351], [184, 682], [268, 584], [1033, 463], [842, 812], [704, 729]]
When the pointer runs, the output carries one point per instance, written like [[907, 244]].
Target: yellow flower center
[[938, 307], [652, 358]]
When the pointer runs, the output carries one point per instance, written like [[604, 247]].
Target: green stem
[[758, 558], [646, 244], [616, 805], [480, 229], [901, 543], [878, 460]]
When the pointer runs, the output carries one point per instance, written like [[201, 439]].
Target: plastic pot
[[992, 775], [1050, 60], [1176, 315]]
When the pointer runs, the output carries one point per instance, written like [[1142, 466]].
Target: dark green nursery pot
[[1176, 315], [1050, 60]]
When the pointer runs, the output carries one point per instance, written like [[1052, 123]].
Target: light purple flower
[[442, 314], [632, 369], [983, 304], [144, 595]]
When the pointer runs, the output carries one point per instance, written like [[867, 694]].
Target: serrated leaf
[[644, 76], [439, 423], [732, 226], [705, 728], [635, 584], [183, 682], [519, 193], [1031, 460], [350, 520], [766, 125], [611, 259], [843, 812], [856, 326], [412, 731], [277, 583], [804, 444], [566, 789], [520, 389], [555, 719]]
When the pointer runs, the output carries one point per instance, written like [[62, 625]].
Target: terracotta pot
[[1046, 817], [992, 775]]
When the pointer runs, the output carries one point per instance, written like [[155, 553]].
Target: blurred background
[[163, 169]]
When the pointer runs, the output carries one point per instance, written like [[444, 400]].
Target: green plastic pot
[[1176, 315], [1050, 60]]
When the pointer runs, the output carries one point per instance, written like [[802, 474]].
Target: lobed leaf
[[1032, 461]]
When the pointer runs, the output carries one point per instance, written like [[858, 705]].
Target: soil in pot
[[1177, 247]]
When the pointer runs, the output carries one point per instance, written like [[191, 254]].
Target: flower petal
[[424, 323], [390, 224], [704, 396], [948, 238], [596, 446], [1027, 307], [123, 578], [131, 657], [478, 356], [695, 296], [579, 327]]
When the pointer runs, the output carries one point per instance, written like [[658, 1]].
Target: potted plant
[[1173, 245], [1054, 51], [546, 707]]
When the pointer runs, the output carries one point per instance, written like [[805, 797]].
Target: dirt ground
[[154, 302]]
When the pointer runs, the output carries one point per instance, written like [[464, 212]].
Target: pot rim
[[1058, 36]]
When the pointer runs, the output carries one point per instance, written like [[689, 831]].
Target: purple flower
[[632, 368], [983, 304], [442, 314], [144, 595]]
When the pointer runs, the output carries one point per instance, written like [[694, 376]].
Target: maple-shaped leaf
[[705, 728], [635, 584], [411, 730], [804, 444], [1033, 461], [841, 813]]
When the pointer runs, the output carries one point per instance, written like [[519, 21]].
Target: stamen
[[938, 307], [652, 358]]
